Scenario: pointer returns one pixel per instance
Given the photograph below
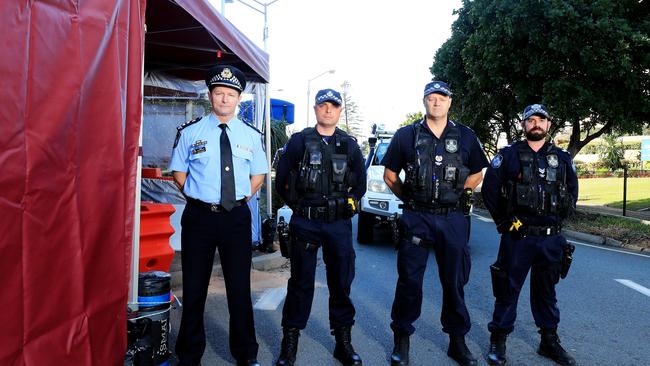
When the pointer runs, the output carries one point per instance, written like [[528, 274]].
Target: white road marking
[[634, 286], [485, 219], [270, 299], [579, 242], [609, 249], [177, 299]]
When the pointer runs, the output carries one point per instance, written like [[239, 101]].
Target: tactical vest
[[537, 190], [324, 171], [435, 180]]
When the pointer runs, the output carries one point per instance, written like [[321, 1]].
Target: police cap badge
[[439, 87], [535, 109], [225, 75], [328, 95]]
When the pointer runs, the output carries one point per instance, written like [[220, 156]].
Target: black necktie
[[227, 173]]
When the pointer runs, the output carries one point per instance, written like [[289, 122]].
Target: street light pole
[[267, 103], [265, 34], [309, 89]]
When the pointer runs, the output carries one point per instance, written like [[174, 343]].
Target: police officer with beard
[[529, 188], [443, 162], [321, 176]]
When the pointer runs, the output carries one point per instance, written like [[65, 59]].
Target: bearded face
[[536, 128]]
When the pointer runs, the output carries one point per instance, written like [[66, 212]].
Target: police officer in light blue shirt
[[218, 163], [198, 153]]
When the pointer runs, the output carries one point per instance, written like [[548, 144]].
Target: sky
[[383, 49]]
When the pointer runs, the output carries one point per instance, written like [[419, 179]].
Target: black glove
[[513, 226]]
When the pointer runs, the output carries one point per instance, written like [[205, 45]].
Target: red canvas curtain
[[70, 110]]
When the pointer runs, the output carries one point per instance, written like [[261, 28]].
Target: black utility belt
[[430, 209], [319, 213], [543, 230], [214, 207]]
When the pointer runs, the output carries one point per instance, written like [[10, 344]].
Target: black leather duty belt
[[313, 212], [214, 207], [543, 230], [433, 210]]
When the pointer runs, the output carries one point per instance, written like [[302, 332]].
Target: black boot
[[459, 352], [400, 356], [550, 347], [289, 347], [497, 354], [343, 351]]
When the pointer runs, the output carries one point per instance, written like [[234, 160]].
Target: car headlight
[[378, 186]]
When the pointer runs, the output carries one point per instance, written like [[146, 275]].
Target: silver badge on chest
[[451, 145]]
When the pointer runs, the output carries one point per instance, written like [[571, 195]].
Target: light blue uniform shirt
[[198, 154]]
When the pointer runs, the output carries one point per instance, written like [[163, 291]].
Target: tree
[[587, 60], [611, 152], [351, 119], [278, 139], [278, 136], [412, 118]]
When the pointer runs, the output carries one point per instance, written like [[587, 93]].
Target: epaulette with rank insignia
[[253, 127], [181, 127]]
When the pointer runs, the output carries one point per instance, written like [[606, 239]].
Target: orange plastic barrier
[[151, 173], [155, 230]]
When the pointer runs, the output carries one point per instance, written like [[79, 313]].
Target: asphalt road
[[604, 303]]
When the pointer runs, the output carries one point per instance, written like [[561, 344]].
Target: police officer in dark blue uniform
[[321, 176], [443, 162], [218, 163], [529, 188]]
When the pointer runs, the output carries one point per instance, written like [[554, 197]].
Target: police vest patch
[[451, 145]]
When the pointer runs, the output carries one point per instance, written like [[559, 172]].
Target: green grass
[[625, 230], [605, 223], [609, 192]]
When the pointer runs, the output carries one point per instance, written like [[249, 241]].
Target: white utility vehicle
[[379, 206]]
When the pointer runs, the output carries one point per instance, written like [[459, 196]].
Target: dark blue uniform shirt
[[293, 153], [401, 150], [506, 167]]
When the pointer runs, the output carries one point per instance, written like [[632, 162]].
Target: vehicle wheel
[[366, 223]]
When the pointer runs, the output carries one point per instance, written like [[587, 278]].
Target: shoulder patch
[[181, 127], [253, 127], [497, 160]]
